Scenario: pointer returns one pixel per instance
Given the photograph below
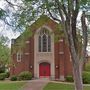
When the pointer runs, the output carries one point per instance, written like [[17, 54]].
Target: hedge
[[13, 78], [69, 78], [2, 76], [26, 75], [85, 77]]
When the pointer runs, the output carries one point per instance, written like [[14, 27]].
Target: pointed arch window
[[49, 43], [44, 41], [39, 43]]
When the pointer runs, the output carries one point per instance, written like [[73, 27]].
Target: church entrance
[[44, 70]]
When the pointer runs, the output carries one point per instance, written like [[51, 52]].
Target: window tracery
[[44, 41]]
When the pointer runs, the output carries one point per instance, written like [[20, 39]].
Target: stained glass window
[[44, 41]]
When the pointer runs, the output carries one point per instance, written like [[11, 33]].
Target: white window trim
[[19, 56], [42, 43]]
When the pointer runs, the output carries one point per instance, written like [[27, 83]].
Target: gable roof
[[42, 20]]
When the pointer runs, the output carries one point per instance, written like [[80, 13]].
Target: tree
[[4, 53], [66, 13]]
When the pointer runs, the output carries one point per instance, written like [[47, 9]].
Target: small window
[[19, 56]]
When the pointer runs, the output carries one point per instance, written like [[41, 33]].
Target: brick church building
[[45, 53]]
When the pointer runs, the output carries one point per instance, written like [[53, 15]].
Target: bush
[[69, 78], [7, 74], [26, 75], [87, 67], [2, 76], [86, 77], [13, 78], [2, 69]]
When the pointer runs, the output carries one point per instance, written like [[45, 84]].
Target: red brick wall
[[63, 64], [56, 52], [62, 59], [68, 62], [27, 59]]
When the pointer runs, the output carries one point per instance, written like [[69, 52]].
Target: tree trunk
[[77, 69], [77, 77], [75, 62]]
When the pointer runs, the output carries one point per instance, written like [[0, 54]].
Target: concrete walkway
[[36, 84]]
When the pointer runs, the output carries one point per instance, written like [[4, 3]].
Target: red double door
[[44, 70]]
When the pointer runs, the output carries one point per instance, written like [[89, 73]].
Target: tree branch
[[75, 12], [60, 10], [53, 16], [85, 35], [48, 9], [64, 22], [12, 5]]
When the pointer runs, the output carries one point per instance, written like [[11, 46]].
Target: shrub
[[26, 75], [2, 76], [69, 78], [2, 69], [13, 78], [7, 74], [86, 77], [87, 67]]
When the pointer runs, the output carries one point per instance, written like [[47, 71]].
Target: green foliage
[[7, 74], [26, 75], [40, 21], [2, 68], [69, 78], [4, 54], [84, 2], [2, 13], [87, 67], [2, 76], [86, 77], [4, 51], [29, 10], [13, 78]]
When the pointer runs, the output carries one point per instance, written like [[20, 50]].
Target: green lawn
[[60, 86], [11, 85]]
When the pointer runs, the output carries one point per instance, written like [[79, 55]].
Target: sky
[[3, 29], [13, 35]]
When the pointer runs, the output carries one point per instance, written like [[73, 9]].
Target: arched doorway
[[44, 70]]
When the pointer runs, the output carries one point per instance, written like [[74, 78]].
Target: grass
[[60, 86], [11, 85]]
